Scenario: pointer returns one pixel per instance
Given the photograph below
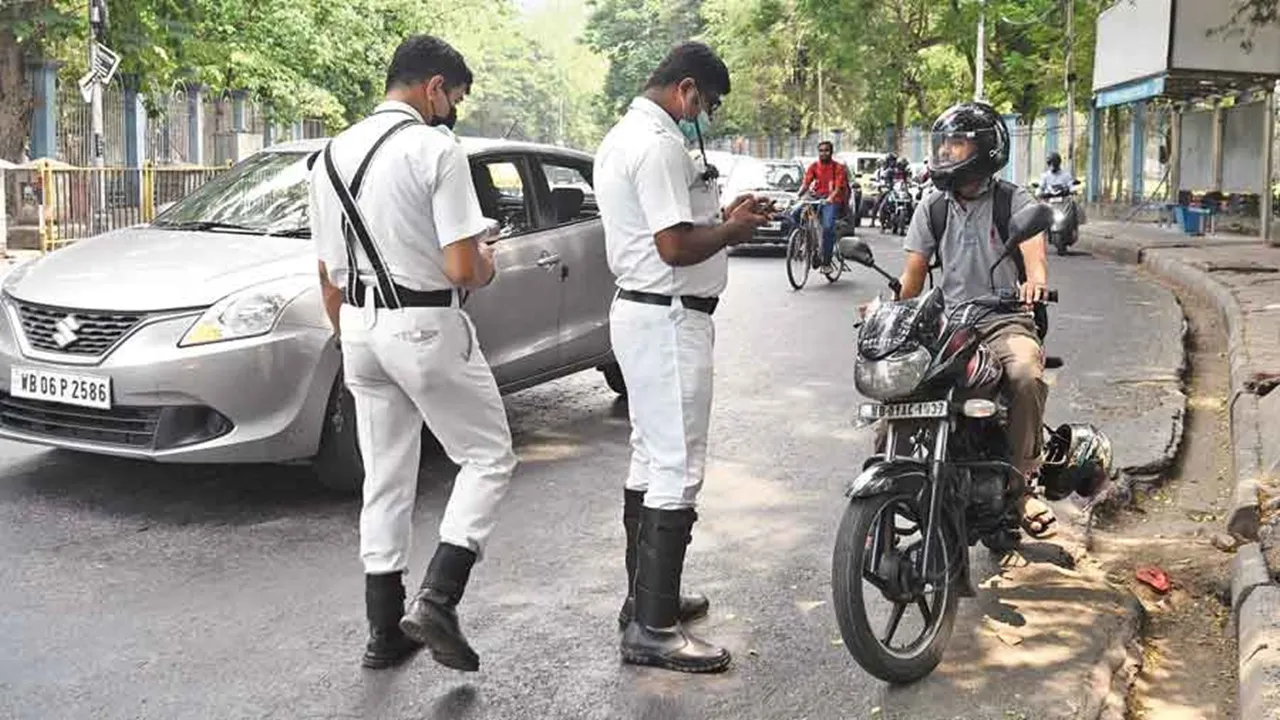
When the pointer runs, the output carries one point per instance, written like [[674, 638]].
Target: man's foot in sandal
[[1037, 517]]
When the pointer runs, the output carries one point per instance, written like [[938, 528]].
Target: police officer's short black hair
[[421, 57], [692, 60]]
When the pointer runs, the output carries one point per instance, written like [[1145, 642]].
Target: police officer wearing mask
[[666, 241], [399, 233]]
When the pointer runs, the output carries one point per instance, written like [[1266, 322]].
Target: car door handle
[[546, 261]]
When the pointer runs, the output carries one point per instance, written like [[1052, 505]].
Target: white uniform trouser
[[415, 365], [665, 353]]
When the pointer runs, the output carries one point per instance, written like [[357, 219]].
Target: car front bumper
[[258, 399]]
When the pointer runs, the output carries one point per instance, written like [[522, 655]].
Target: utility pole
[[980, 61], [1071, 93], [822, 125], [97, 24]]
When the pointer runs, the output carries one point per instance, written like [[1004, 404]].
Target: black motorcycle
[[942, 471], [897, 207]]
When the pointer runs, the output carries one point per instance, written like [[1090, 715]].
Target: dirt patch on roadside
[[1189, 668]]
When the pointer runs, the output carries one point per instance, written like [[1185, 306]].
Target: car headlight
[[892, 377], [245, 314], [16, 273]]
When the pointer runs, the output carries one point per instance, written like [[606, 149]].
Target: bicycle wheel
[[798, 258], [832, 272]]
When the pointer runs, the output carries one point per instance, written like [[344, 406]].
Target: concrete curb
[[1243, 518], [1255, 599]]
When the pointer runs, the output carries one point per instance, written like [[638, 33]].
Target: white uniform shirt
[[646, 182], [416, 198], [1056, 181]]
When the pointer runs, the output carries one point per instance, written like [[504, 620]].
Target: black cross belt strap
[[389, 294]]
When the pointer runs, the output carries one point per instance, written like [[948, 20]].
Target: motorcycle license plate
[[903, 411]]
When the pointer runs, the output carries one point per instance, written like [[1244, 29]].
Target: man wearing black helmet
[[964, 227], [1055, 180]]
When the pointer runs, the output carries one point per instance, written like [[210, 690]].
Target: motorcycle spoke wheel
[[797, 258], [894, 623]]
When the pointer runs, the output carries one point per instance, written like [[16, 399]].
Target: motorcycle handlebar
[[1007, 295]]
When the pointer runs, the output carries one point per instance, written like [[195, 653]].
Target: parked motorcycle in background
[[1066, 215]]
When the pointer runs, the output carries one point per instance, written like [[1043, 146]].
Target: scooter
[[1066, 216]]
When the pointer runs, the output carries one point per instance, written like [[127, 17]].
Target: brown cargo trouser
[[1017, 347]]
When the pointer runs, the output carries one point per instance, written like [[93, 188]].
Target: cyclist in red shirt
[[829, 180]]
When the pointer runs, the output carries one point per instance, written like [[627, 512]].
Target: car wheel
[[613, 377], [338, 466]]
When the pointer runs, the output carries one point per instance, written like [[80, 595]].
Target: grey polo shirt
[[970, 245]]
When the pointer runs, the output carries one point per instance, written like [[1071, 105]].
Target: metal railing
[[68, 197]]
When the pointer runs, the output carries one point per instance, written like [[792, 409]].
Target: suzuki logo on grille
[[64, 331]]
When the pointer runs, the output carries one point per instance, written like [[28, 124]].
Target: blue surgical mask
[[691, 128]]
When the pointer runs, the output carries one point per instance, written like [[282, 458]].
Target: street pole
[[981, 60], [822, 125], [1071, 94], [97, 13]]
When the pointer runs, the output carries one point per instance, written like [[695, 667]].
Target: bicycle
[[804, 249]]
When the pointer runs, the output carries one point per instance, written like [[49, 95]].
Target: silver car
[[202, 338]]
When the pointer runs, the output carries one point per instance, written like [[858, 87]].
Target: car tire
[[338, 466], [613, 378]]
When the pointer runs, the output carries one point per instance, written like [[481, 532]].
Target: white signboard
[[1133, 42], [1199, 45]]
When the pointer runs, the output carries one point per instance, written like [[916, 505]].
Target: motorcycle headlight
[[1059, 216], [245, 314], [892, 377]]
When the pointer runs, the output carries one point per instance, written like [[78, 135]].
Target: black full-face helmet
[[970, 142]]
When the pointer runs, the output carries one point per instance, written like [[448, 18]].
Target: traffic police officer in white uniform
[[399, 232], [666, 245]]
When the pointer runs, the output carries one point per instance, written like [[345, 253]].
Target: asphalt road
[[142, 591]]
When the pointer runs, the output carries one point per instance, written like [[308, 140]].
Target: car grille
[[74, 332], [121, 426]]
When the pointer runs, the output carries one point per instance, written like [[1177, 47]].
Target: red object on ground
[[1155, 577]]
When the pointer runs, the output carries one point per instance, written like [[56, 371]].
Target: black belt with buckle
[[408, 297], [693, 302]]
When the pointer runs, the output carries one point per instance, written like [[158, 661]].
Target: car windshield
[[267, 194], [753, 174]]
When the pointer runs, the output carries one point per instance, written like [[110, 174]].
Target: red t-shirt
[[823, 177]]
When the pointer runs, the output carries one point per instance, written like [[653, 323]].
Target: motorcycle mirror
[[851, 248], [1027, 223], [1076, 182], [1035, 184]]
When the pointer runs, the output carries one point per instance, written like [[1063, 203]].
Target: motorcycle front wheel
[[876, 551]]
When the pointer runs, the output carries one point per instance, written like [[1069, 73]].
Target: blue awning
[[1131, 92]]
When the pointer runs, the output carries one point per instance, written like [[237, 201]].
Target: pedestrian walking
[[667, 245], [399, 232]]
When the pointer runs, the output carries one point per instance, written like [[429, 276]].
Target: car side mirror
[[852, 248]]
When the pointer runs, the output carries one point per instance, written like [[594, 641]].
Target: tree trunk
[[16, 102]]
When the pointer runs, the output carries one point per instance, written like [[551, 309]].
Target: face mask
[[448, 120], [691, 128]]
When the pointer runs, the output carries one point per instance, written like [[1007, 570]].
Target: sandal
[[1037, 518]]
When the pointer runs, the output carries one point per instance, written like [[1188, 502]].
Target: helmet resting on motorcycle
[[970, 142], [1077, 459]]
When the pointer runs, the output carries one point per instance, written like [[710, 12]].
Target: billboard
[[1200, 44], [1133, 41]]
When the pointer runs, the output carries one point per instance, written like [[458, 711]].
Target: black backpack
[[1002, 208]]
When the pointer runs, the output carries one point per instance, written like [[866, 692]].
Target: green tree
[[635, 35]]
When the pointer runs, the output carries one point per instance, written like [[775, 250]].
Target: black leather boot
[[384, 604], [655, 635], [432, 618], [692, 606]]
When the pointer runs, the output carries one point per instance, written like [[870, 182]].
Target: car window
[[500, 188], [572, 199], [867, 166]]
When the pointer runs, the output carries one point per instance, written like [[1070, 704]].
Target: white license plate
[[775, 225], [65, 388], [903, 411]]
